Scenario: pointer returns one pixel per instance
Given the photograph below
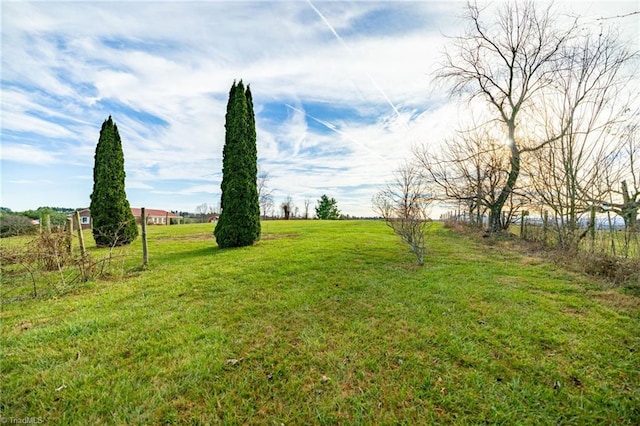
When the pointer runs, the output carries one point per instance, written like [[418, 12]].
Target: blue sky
[[342, 91]]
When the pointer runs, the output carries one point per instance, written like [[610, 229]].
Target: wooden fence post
[[69, 234], [83, 251], [545, 225], [145, 252], [522, 228], [612, 234], [593, 227]]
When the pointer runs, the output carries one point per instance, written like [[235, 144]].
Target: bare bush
[[45, 265], [404, 204], [12, 225], [50, 250]]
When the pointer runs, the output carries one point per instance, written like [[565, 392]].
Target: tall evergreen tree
[[253, 164], [113, 221], [239, 222]]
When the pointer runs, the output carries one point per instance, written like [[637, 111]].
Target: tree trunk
[[629, 208], [495, 224]]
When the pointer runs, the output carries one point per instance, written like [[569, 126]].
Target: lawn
[[324, 322]]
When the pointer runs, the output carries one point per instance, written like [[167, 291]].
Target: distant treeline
[[18, 223], [57, 215]]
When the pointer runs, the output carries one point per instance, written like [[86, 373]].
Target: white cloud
[[31, 182], [28, 154], [134, 184]]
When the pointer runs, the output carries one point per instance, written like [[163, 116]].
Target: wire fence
[[609, 235], [602, 238]]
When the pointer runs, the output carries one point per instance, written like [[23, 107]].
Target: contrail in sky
[[351, 53], [336, 130]]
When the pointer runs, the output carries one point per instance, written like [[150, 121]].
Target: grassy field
[[324, 323]]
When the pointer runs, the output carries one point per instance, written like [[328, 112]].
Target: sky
[[342, 92]]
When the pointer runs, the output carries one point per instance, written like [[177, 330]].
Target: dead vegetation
[[610, 270], [46, 265]]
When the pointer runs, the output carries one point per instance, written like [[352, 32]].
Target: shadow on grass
[[189, 254]]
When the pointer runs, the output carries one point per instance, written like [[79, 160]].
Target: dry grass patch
[[278, 236], [615, 299]]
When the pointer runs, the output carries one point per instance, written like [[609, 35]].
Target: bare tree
[[265, 194], [203, 210], [587, 98], [471, 169], [287, 207], [624, 200], [404, 204], [630, 184], [307, 203], [508, 64]]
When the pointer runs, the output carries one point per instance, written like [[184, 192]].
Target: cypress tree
[[239, 222], [253, 163], [113, 222]]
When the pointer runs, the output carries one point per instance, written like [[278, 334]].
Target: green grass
[[324, 323]]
